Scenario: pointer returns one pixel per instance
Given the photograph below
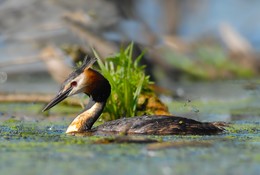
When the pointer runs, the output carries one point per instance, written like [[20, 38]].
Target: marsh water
[[35, 143], [32, 142]]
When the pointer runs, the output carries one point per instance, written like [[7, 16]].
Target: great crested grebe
[[96, 86]]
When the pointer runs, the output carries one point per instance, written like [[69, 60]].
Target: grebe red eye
[[74, 84]]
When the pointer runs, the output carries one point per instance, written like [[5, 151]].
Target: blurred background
[[203, 55]]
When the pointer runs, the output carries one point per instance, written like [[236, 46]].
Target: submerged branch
[[34, 98]]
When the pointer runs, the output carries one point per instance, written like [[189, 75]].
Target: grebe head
[[85, 80]]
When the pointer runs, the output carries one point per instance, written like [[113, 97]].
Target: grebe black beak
[[60, 97]]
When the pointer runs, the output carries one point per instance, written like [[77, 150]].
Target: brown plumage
[[97, 87], [157, 125]]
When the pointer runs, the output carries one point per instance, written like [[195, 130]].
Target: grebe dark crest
[[96, 86]]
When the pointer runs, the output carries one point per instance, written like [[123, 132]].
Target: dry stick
[[34, 98], [19, 61], [234, 41], [103, 47], [53, 58], [238, 46]]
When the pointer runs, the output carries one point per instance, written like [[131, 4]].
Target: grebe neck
[[85, 120]]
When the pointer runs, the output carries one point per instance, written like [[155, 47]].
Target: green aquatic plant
[[127, 79]]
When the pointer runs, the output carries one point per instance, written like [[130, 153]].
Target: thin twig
[[34, 98]]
